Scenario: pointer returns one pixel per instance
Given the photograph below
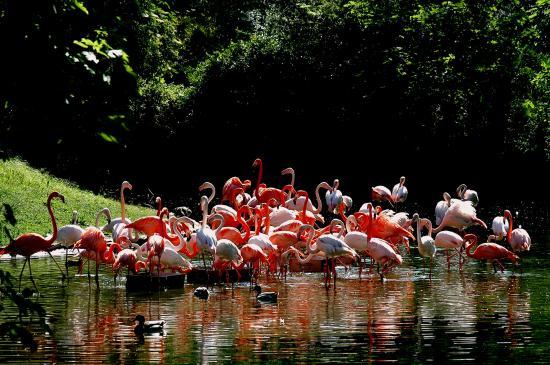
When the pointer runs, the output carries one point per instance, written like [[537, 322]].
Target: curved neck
[[122, 206], [260, 176], [204, 207], [508, 215], [246, 234], [182, 246], [319, 201], [106, 212], [208, 185], [304, 208], [109, 255], [54, 223], [473, 239]]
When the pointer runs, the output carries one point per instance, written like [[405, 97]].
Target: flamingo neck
[[122, 206], [469, 247], [246, 228], [267, 221], [304, 208], [54, 223], [108, 255], [260, 176], [182, 246], [508, 215], [319, 201]]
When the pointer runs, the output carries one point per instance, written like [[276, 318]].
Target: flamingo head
[[55, 194], [257, 162], [126, 185]]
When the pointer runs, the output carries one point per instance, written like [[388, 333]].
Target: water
[[472, 316]]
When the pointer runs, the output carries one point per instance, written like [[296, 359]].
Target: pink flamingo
[[232, 184], [28, 244], [399, 192], [450, 241], [488, 251], [265, 194], [460, 215], [518, 238]]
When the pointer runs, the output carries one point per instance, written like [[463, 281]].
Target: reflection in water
[[475, 315]]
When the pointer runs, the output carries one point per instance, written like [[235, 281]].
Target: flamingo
[[357, 240], [334, 197], [170, 259], [399, 192], [28, 244], [229, 253], [467, 195], [153, 224], [442, 206], [232, 233], [68, 235], [93, 240], [128, 257], [450, 241], [326, 244], [108, 228], [518, 238], [298, 202], [488, 251], [460, 215], [254, 255], [264, 195], [289, 171], [107, 213], [426, 244], [384, 227], [232, 184], [206, 237], [499, 226], [381, 193]]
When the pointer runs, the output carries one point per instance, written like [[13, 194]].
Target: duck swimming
[[201, 293], [147, 327], [267, 297]]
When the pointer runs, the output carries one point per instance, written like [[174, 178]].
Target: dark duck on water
[[143, 327]]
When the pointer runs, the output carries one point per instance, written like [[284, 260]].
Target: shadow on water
[[471, 316]]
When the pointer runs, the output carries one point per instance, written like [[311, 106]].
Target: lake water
[[472, 316]]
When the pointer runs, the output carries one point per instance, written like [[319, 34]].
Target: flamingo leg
[[21, 274], [97, 270], [334, 272], [431, 263], [448, 260], [32, 279], [59, 267], [66, 262]]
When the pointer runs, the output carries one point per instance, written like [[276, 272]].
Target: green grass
[[26, 191]]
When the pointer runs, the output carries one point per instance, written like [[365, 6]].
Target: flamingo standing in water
[[450, 241], [518, 238], [93, 240], [399, 192], [206, 237], [67, 236], [488, 251], [28, 244], [153, 224], [426, 244], [327, 244]]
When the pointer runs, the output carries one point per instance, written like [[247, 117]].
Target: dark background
[[365, 91]]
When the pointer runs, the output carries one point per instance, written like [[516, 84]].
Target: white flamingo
[[399, 192]]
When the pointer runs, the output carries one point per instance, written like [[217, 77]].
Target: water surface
[[472, 316]]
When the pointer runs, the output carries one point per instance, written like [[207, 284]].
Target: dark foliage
[[166, 93]]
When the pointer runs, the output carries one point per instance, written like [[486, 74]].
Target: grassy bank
[[23, 194]]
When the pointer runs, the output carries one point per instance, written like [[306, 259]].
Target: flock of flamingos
[[266, 229]]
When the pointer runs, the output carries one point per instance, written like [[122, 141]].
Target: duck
[[201, 293], [147, 327], [266, 297]]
